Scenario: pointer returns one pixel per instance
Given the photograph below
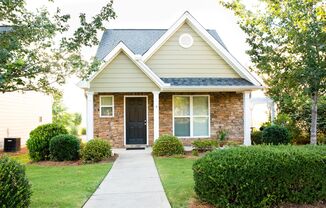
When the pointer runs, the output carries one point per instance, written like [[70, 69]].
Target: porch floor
[[133, 181]]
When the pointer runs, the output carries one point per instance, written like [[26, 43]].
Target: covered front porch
[[139, 118]]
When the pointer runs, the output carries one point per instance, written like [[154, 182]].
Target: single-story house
[[180, 81]]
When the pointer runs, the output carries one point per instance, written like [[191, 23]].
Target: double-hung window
[[106, 106], [191, 115]]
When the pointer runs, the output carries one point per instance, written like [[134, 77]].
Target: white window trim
[[191, 116], [101, 96]]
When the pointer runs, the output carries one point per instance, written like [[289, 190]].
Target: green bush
[[96, 150], [83, 131], [39, 140], [167, 145], [257, 137], [275, 135], [203, 145], [15, 190], [261, 176], [64, 147]]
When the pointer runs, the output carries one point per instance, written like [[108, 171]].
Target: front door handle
[[145, 122]]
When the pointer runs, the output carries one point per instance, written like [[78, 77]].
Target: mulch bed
[[71, 163], [55, 163], [21, 151], [195, 203]]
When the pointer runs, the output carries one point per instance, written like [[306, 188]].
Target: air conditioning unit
[[11, 144]]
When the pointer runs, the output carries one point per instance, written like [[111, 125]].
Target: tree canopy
[[36, 52], [287, 42]]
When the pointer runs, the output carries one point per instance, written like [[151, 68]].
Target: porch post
[[90, 114], [246, 118], [156, 114]]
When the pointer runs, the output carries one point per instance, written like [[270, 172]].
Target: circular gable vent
[[186, 40]]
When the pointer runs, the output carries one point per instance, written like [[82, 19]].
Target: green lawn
[[177, 178], [63, 186]]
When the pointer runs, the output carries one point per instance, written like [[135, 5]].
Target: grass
[[63, 186], [177, 178]]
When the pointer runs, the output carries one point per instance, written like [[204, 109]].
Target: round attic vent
[[186, 40]]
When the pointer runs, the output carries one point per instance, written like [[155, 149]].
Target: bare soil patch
[[23, 150], [72, 163]]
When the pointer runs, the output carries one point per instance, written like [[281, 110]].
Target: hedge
[[64, 147], [39, 140], [261, 176], [167, 145], [275, 134], [96, 150], [15, 189]]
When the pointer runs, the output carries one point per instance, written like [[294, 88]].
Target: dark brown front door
[[136, 120]]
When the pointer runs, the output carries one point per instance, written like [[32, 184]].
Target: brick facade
[[226, 111]]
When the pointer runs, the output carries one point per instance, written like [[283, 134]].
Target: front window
[[106, 106], [191, 116]]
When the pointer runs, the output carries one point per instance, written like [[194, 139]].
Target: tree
[[31, 59], [287, 47], [60, 116]]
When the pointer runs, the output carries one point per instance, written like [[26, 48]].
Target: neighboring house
[[20, 113], [180, 81]]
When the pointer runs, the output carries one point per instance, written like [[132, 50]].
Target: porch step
[[135, 146]]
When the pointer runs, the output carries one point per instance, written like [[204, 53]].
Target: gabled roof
[[121, 47], [137, 40], [220, 50], [144, 43]]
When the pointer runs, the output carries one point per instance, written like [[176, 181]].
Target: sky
[[148, 14]]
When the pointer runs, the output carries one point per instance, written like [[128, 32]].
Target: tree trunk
[[313, 128]]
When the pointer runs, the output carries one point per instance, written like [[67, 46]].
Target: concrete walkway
[[133, 182]]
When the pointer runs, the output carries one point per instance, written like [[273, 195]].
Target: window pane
[[182, 126], [106, 111], [106, 101], [200, 105], [200, 126], [181, 106]]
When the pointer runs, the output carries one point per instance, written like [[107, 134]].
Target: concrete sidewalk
[[133, 182]]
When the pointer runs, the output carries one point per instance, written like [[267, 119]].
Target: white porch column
[[246, 118], [90, 115], [156, 114]]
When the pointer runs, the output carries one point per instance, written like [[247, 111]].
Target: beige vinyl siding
[[200, 60], [20, 113], [122, 75]]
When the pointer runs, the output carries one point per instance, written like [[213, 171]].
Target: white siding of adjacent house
[[200, 60], [20, 113], [122, 75]]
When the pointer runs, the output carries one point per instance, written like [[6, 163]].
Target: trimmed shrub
[[83, 131], [64, 147], [167, 145], [257, 137], [96, 150], [15, 189], [39, 140], [261, 176], [204, 145], [275, 135]]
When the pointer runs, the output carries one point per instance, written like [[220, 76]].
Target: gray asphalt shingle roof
[[4, 28], [184, 81], [137, 40]]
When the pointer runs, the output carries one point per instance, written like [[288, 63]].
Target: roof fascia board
[[210, 88], [121, 47], [195, 25]]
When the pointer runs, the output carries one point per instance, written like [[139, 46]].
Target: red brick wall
[[226, 113]]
